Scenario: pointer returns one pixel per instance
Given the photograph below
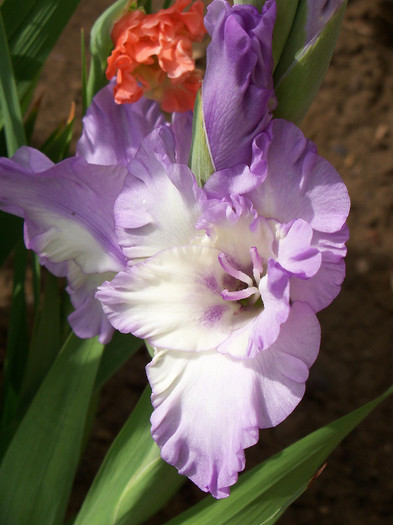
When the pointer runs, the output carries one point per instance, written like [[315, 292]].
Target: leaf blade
[[101, 46], [278, 476], [33, 27], [116, 353], [40, 463], [132, 468], [9, 102], [297, 87]]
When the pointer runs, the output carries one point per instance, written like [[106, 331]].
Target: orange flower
[[153, 56]]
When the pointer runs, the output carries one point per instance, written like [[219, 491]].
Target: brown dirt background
[[351, 122]]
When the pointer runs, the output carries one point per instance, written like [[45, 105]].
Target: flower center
[[246, 287]]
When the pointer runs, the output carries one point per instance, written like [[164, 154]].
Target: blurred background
[[351, 121]]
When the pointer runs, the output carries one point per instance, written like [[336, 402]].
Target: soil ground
[[351, 122]]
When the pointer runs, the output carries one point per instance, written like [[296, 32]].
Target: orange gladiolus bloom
[[153, 56]]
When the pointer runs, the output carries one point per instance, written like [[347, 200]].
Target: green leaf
[[30, 119], [263, 493], [286, 11], [201, 163], [33, 27], [133, 481], [302, 68], [150, 349], [9, 103], [296, 39], [36, 281], [38, 469], [56, 147], [11, 229], [116, 353], [45, 342], [101, 46], [83, 72], [256, 3], [17, 343]]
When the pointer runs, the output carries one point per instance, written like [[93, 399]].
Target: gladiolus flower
[[68, 207], [153, 56], [223, 281]]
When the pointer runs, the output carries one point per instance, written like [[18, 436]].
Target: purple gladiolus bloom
[[68, 207], [224, 283]]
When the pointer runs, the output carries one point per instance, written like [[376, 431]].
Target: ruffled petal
[[323, 287], [320, 290], [112, 133], [295, 252], [32, 160], [238, 82], [313, 190], [159, 204], [88, 318], [208, 407], [68, 212], [174, 300], [233, 181], [274, 288]]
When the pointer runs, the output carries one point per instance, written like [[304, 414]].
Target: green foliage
[[50, 395], [45, 341], [262, 494], [133, 482], [302, 68], [32, 27], [11, 229], [201, 163], [256, 3], [31, 117], [286, 11], [57, 145], [83, 73], [9, 103], [101, 46], [38, 469], [116, 353], [17, 348]]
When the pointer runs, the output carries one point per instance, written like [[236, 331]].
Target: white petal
[[174, 300], [209, 406], [159, 204]]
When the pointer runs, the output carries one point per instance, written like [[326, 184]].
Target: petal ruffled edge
[[313, 190], [112, 133], [173, 300], [208, 407], [160, 201]]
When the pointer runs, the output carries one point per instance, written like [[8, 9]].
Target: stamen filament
[[257, 264], [237, 274], [239, 294]]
